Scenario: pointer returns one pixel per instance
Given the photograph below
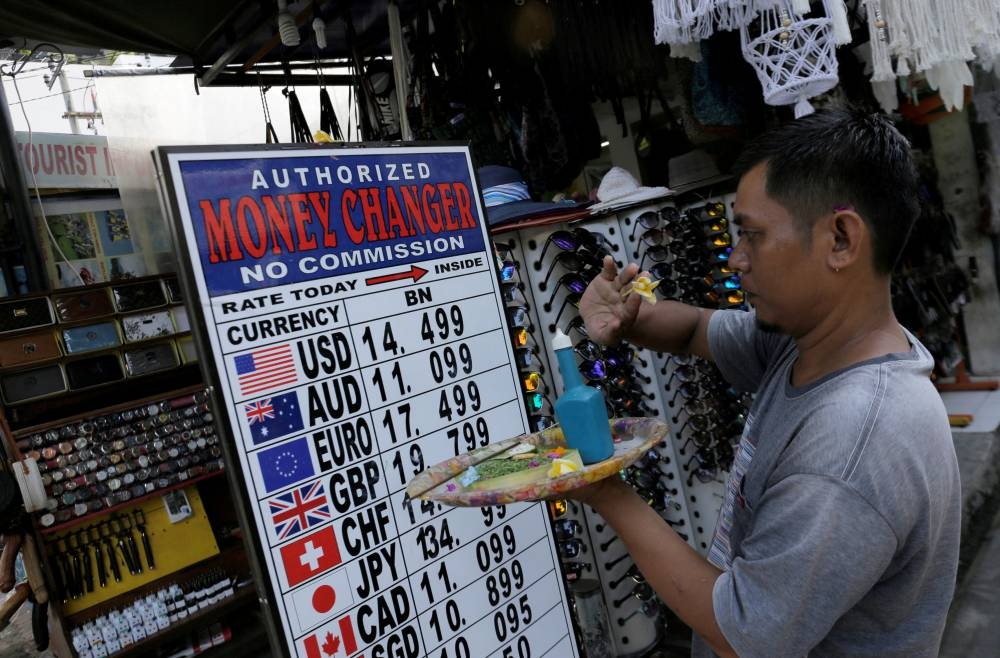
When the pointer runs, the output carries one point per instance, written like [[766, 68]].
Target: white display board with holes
[[551, 281], [690, 494]]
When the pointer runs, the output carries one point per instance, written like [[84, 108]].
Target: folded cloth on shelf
[[507, 198], [619, 188]]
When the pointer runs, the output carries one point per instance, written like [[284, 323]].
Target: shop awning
[[199, 32]]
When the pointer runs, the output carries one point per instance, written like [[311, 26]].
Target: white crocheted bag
[[794, 57]]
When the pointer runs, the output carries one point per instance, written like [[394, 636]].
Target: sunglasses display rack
[[557, 262], [690, 244], [528, 341]]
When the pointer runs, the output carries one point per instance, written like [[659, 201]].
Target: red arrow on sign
[[415, 273]]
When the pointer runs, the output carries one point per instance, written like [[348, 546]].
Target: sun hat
[[619, 188], [507, 198]]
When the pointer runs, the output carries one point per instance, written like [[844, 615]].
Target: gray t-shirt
[[839, 534]]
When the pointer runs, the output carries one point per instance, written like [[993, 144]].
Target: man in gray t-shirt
[[840, 527], [844, 494]]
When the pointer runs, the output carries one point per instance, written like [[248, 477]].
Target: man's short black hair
[[842, 157]]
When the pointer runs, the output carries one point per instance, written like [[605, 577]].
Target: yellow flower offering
[[562, 466], [644, 287]]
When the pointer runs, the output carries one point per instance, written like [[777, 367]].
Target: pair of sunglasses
[[573, 570], [537, 401], [577, 239], [632, 574], [566, 529], [709, 212], [532, 382], [649, 609], [653, 218], [586, 265], [571, 548], [701, 440], [641, 591], [538, 423], [617, 357], [574, 282]]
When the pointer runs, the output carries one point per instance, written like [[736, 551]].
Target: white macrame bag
[[794, 56], [683, 21]]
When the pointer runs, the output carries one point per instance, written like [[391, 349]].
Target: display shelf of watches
[[207, 469], [122, 628], [101, 462]]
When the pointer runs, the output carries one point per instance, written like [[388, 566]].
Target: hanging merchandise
[[270, 135], [400, 70], [300, 129], [383, 105], [328, 122], [369, 119], [327, 117], [687, 21], [935, 39], [723, 93], [794, 57]]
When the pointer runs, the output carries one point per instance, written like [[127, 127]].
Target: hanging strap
[[270, 135], [327, 117]]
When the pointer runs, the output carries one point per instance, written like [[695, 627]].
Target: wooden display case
[[110, 449]]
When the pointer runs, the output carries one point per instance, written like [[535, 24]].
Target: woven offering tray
[[450, 481]]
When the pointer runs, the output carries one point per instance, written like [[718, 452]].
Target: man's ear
[[848, 235]]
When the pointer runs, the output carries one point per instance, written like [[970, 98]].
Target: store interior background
[[139, 113]]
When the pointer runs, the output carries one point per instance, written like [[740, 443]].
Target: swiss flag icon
[[310, 555], [331, 641]]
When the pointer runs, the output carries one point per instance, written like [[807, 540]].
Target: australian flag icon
[[274, 417]]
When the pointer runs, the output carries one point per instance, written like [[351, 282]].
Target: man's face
[[780, 269]]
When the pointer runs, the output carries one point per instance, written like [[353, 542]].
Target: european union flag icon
[[273, 417], [285, 464]]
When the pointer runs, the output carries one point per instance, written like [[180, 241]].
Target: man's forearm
[[667, 326], [682, 578]]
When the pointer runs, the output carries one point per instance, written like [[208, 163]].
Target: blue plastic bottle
[[580, 409]]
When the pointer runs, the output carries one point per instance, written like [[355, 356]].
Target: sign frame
[[186, 246]]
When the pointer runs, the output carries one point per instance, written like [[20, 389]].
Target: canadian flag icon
[[332, 640]]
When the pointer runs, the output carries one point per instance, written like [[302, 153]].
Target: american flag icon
[[298, 510], [265, 369]]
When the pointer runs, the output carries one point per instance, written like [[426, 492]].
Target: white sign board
[[350, 304], [56, 160]]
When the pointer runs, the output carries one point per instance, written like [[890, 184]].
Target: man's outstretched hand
[[607, 316]]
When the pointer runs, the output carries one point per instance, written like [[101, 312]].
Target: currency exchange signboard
[[350, 317]]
